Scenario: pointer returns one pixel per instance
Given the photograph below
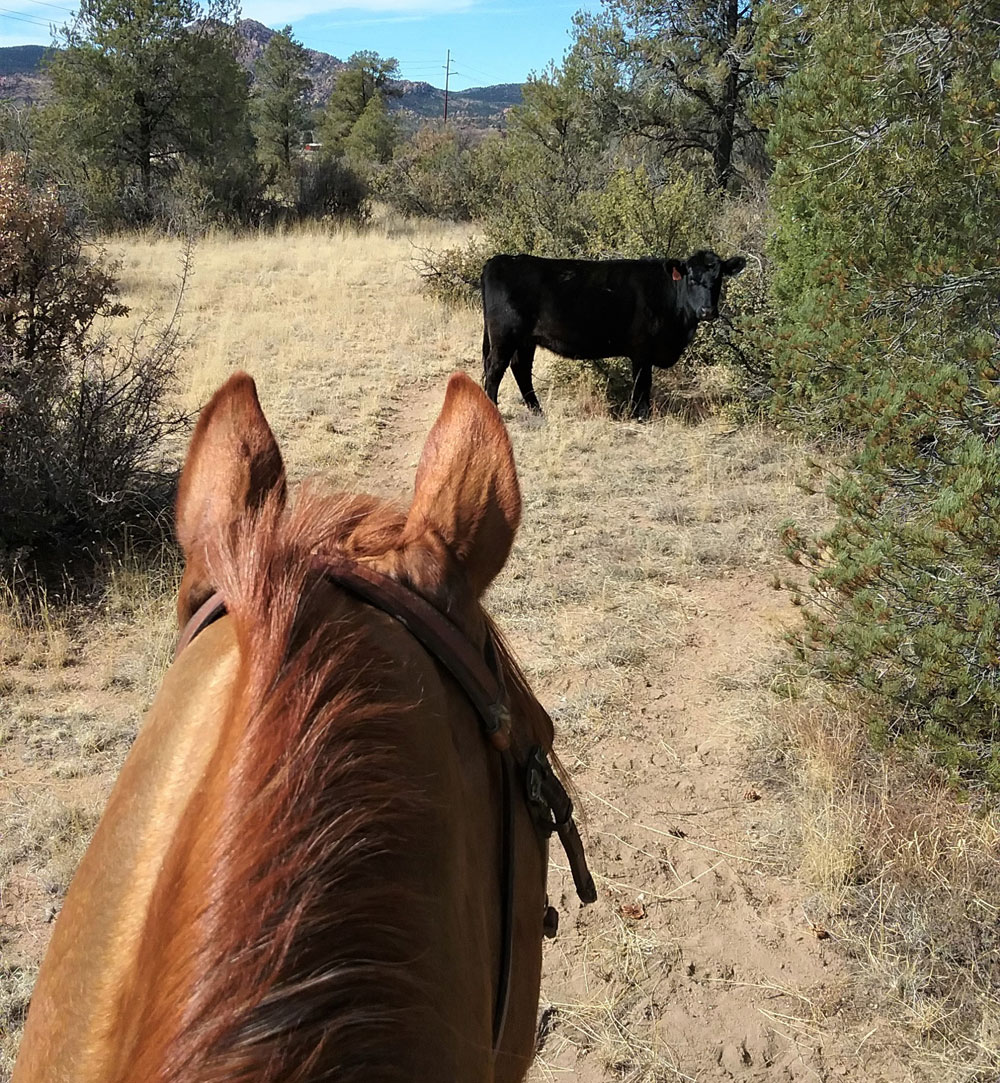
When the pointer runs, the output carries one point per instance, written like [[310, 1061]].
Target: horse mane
[[255, 977]]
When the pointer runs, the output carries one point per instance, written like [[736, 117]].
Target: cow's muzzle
[[707, 314]]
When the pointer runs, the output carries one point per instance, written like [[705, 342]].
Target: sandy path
[[715, 956]]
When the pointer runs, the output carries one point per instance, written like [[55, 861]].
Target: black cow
[[644, 309]]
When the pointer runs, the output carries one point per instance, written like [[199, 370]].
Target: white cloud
[[287, 11]]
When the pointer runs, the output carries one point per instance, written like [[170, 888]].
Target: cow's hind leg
[[642, 385], [521, 367], [495, 365]]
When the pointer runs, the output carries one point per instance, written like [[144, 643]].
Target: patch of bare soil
[[698, 961]]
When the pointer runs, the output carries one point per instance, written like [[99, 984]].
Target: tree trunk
[[145, 149], [722, 152]]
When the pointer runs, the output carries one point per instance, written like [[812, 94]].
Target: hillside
[[22, 81], [323, 68], [482, 106], [21, 59]]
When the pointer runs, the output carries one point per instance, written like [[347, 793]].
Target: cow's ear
[[467, 495], [233, 465], [677, 269], [734, 266]]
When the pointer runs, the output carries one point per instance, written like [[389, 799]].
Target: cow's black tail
[[486, 330]]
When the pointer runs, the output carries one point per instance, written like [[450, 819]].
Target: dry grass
[[906, 875], [620, 519], [329, 324], [616, 515]]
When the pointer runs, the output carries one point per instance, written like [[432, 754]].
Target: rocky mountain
[[323, 67], [22, 81], [21, 78], [479, 107]]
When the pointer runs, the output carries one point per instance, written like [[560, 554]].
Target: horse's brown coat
[[297, 876]]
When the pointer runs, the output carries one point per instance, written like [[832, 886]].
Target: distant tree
[[678, 74], [366, 75], [279, 102], [374, 135], [553, 154], [142, 88], [432, 174]]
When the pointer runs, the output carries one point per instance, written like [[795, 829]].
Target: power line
[[18, 16], [46, 4]]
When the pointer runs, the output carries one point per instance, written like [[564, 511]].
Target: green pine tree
[[366, 75], [678, 76], [887, 199], [279, 103], [141, 90], [374, 135]]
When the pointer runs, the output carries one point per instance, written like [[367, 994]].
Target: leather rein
[[480, 677]]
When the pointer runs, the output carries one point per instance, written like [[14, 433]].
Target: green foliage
[[16, 133], [81, 419], [279, 106], [677, 78], [432, 174], [632, 218], [139, 91], [366, 75], [888, 180], [374, 135], [452, 276], [548, 162]]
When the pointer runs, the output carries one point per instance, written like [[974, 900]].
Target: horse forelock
[[256, 976]]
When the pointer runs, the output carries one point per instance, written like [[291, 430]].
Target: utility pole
[[447, 75]]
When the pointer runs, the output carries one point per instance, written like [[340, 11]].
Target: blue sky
[[491, 41]]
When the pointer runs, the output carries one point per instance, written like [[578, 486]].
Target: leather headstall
[[480, 677]]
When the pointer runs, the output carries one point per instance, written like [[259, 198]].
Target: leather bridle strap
[[480, 678]]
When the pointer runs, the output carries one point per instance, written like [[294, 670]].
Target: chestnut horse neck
[[481, 678]]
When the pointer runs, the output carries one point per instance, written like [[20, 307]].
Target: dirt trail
[[699, 960], [391, 470], [719, 957]]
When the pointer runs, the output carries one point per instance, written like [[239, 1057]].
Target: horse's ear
[[466, 491], [233, 464]]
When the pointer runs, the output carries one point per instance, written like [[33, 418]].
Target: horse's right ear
[[466, 492], [233, 464]]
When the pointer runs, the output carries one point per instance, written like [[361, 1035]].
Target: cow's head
[[699, 279]]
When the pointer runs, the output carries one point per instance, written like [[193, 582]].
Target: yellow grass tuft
[[906, 877]]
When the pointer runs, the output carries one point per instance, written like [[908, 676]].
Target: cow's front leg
[[642, 385]]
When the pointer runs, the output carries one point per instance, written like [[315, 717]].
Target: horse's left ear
[[233, 464], [734, 266], [466, 492]]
